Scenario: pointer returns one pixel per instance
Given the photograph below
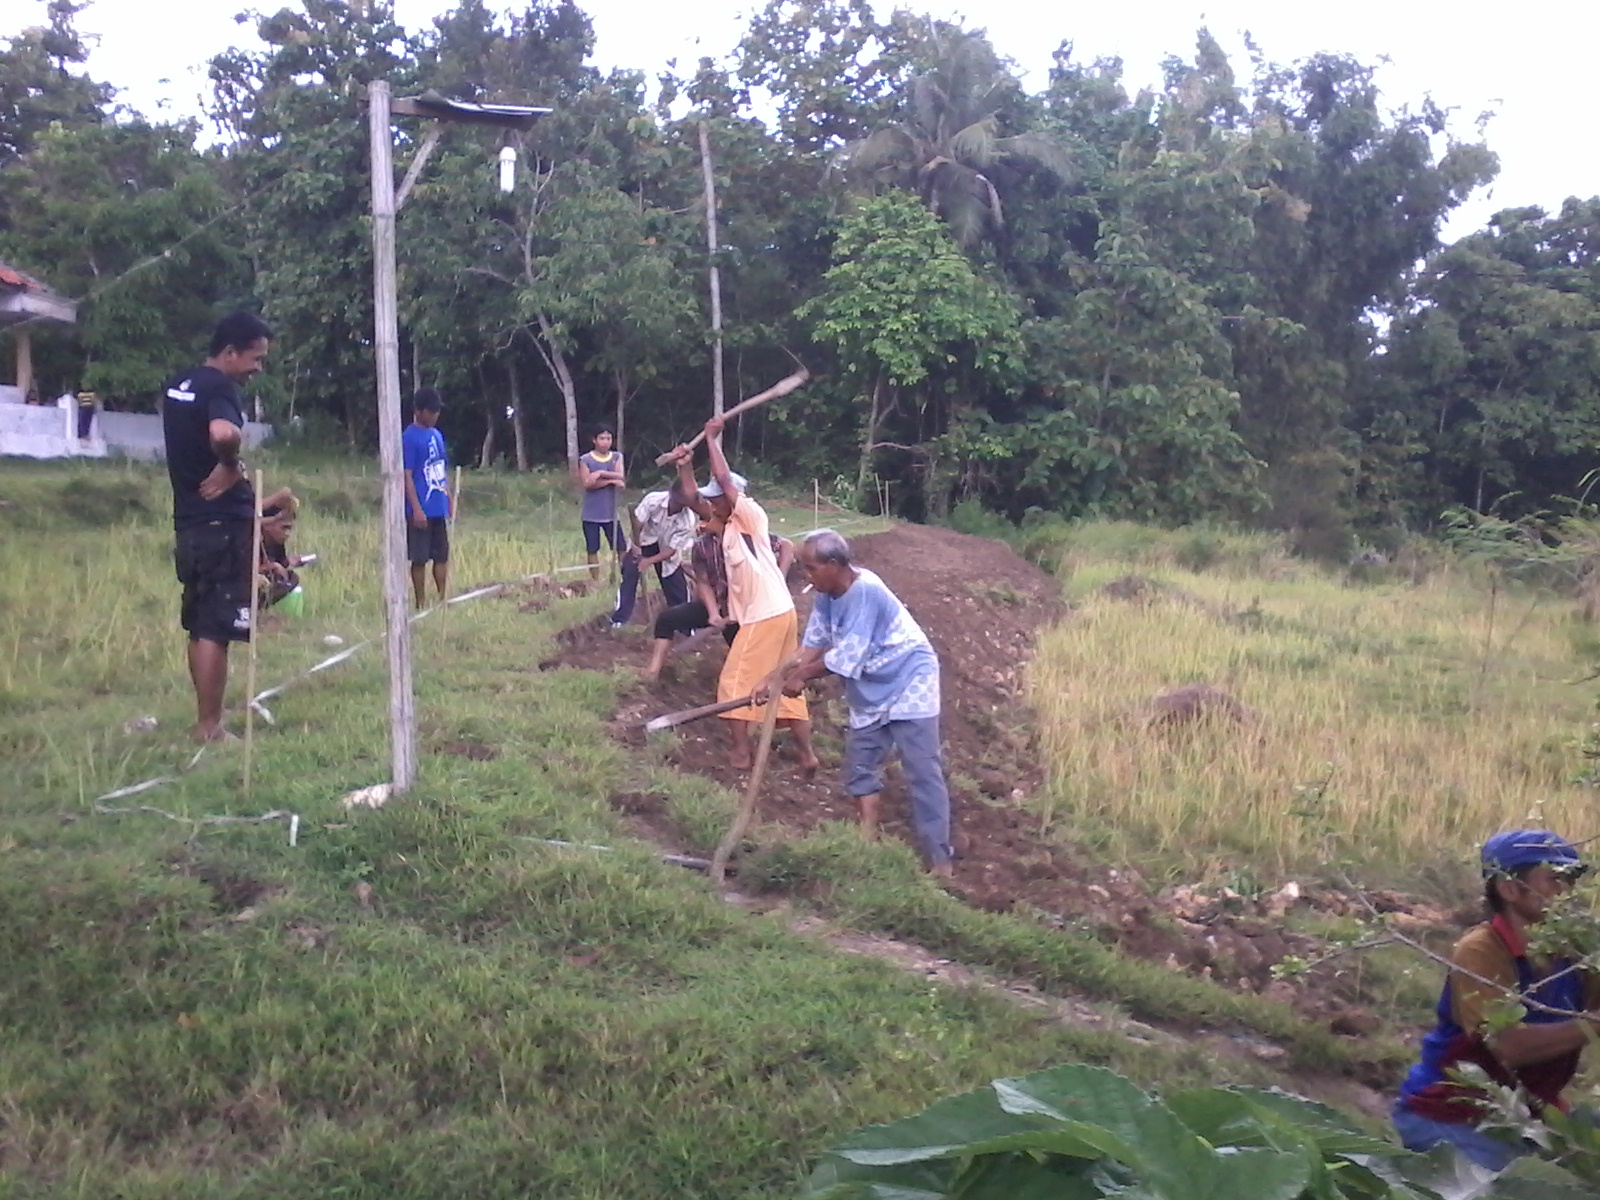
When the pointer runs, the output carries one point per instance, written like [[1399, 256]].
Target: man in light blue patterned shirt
[[860, 630]]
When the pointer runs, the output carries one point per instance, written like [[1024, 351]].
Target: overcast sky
[[1532, 66]]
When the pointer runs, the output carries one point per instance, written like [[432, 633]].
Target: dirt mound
[[1197, 701], [982, 607]]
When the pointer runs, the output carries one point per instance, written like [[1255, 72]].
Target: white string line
[[99, 803]]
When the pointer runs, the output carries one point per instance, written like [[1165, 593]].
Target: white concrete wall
[[138, 435], [46, 431], [51, 431]]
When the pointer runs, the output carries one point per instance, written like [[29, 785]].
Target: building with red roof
[[26, 302]]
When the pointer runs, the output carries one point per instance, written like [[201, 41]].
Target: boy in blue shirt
[[427, 495]]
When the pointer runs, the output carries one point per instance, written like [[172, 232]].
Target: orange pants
[[754, 655]]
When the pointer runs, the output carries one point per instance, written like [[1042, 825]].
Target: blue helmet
[[1511, 851]]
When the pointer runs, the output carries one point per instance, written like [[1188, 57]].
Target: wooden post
[[386, 338], [450, 574], [716, 275], [255, 634], [24, 337]]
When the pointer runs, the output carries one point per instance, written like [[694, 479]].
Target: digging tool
[[684, 716], [752, 793], [255, 634], [782, 388]]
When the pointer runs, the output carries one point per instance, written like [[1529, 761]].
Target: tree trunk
[[620, 379], [865, 467], [557, 362], [716, 276], [486, 454], [518, 430]]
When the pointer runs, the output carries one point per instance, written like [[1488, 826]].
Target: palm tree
[[948, 141]]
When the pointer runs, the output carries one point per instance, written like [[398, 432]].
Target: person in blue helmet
[[1523, 871]]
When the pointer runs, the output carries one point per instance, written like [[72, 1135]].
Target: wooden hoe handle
[[782, 388]]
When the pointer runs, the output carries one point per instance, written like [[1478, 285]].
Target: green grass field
[[431, 1000]]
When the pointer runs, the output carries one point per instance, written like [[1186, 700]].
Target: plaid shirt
[[670, 531], [709, 565]]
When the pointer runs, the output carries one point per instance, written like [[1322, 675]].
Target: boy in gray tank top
[[601, 474]]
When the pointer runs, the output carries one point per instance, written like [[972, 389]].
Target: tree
[[904, 310], [947, 143], [1136, 418], [299, 163], [37, 86], [130, 218], [1492, 376]]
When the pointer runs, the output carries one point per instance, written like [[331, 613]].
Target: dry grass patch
[[1397, 724]]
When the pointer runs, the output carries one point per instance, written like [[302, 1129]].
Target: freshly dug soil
[[982, 607]]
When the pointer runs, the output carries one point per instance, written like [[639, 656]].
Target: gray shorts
[[865, 752]]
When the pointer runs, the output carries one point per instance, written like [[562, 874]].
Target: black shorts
[[689, 618], [428, 545], [593, 530], [213, 564]]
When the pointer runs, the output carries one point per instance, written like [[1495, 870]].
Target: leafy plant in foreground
[[1079, 1133]]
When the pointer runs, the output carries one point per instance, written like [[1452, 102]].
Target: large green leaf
[[1172, 1161], [1536, 1179], [973, 1122], [1240, 1117], [1024, 1177]]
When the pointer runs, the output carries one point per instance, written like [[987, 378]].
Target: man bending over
[[860, 630]]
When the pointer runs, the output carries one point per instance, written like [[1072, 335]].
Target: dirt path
[[982, 607]]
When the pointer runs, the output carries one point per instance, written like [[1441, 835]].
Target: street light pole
[[386, 339], [386, 342]]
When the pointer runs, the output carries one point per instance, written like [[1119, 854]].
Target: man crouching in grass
[[1494, 970], [213, 506], [860, 630]]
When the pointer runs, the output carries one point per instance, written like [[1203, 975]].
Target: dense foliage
[[1223, 298]]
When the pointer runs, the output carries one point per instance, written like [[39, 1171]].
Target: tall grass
[[211, 1012], [1395, 724]]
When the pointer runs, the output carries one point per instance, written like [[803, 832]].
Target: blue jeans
[[1423, 1133], [865, 751], [674, 587]]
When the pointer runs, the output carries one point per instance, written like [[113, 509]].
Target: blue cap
[[714, 489], [1515, 849]]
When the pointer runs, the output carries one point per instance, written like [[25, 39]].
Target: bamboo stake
[[450, 570], [255, 633]]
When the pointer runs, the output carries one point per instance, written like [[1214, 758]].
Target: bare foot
[[740, 762], [869, 832], [212, 733], [944, 870], [808, 767]]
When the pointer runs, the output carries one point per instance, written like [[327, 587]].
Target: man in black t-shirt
[[213, 506]]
